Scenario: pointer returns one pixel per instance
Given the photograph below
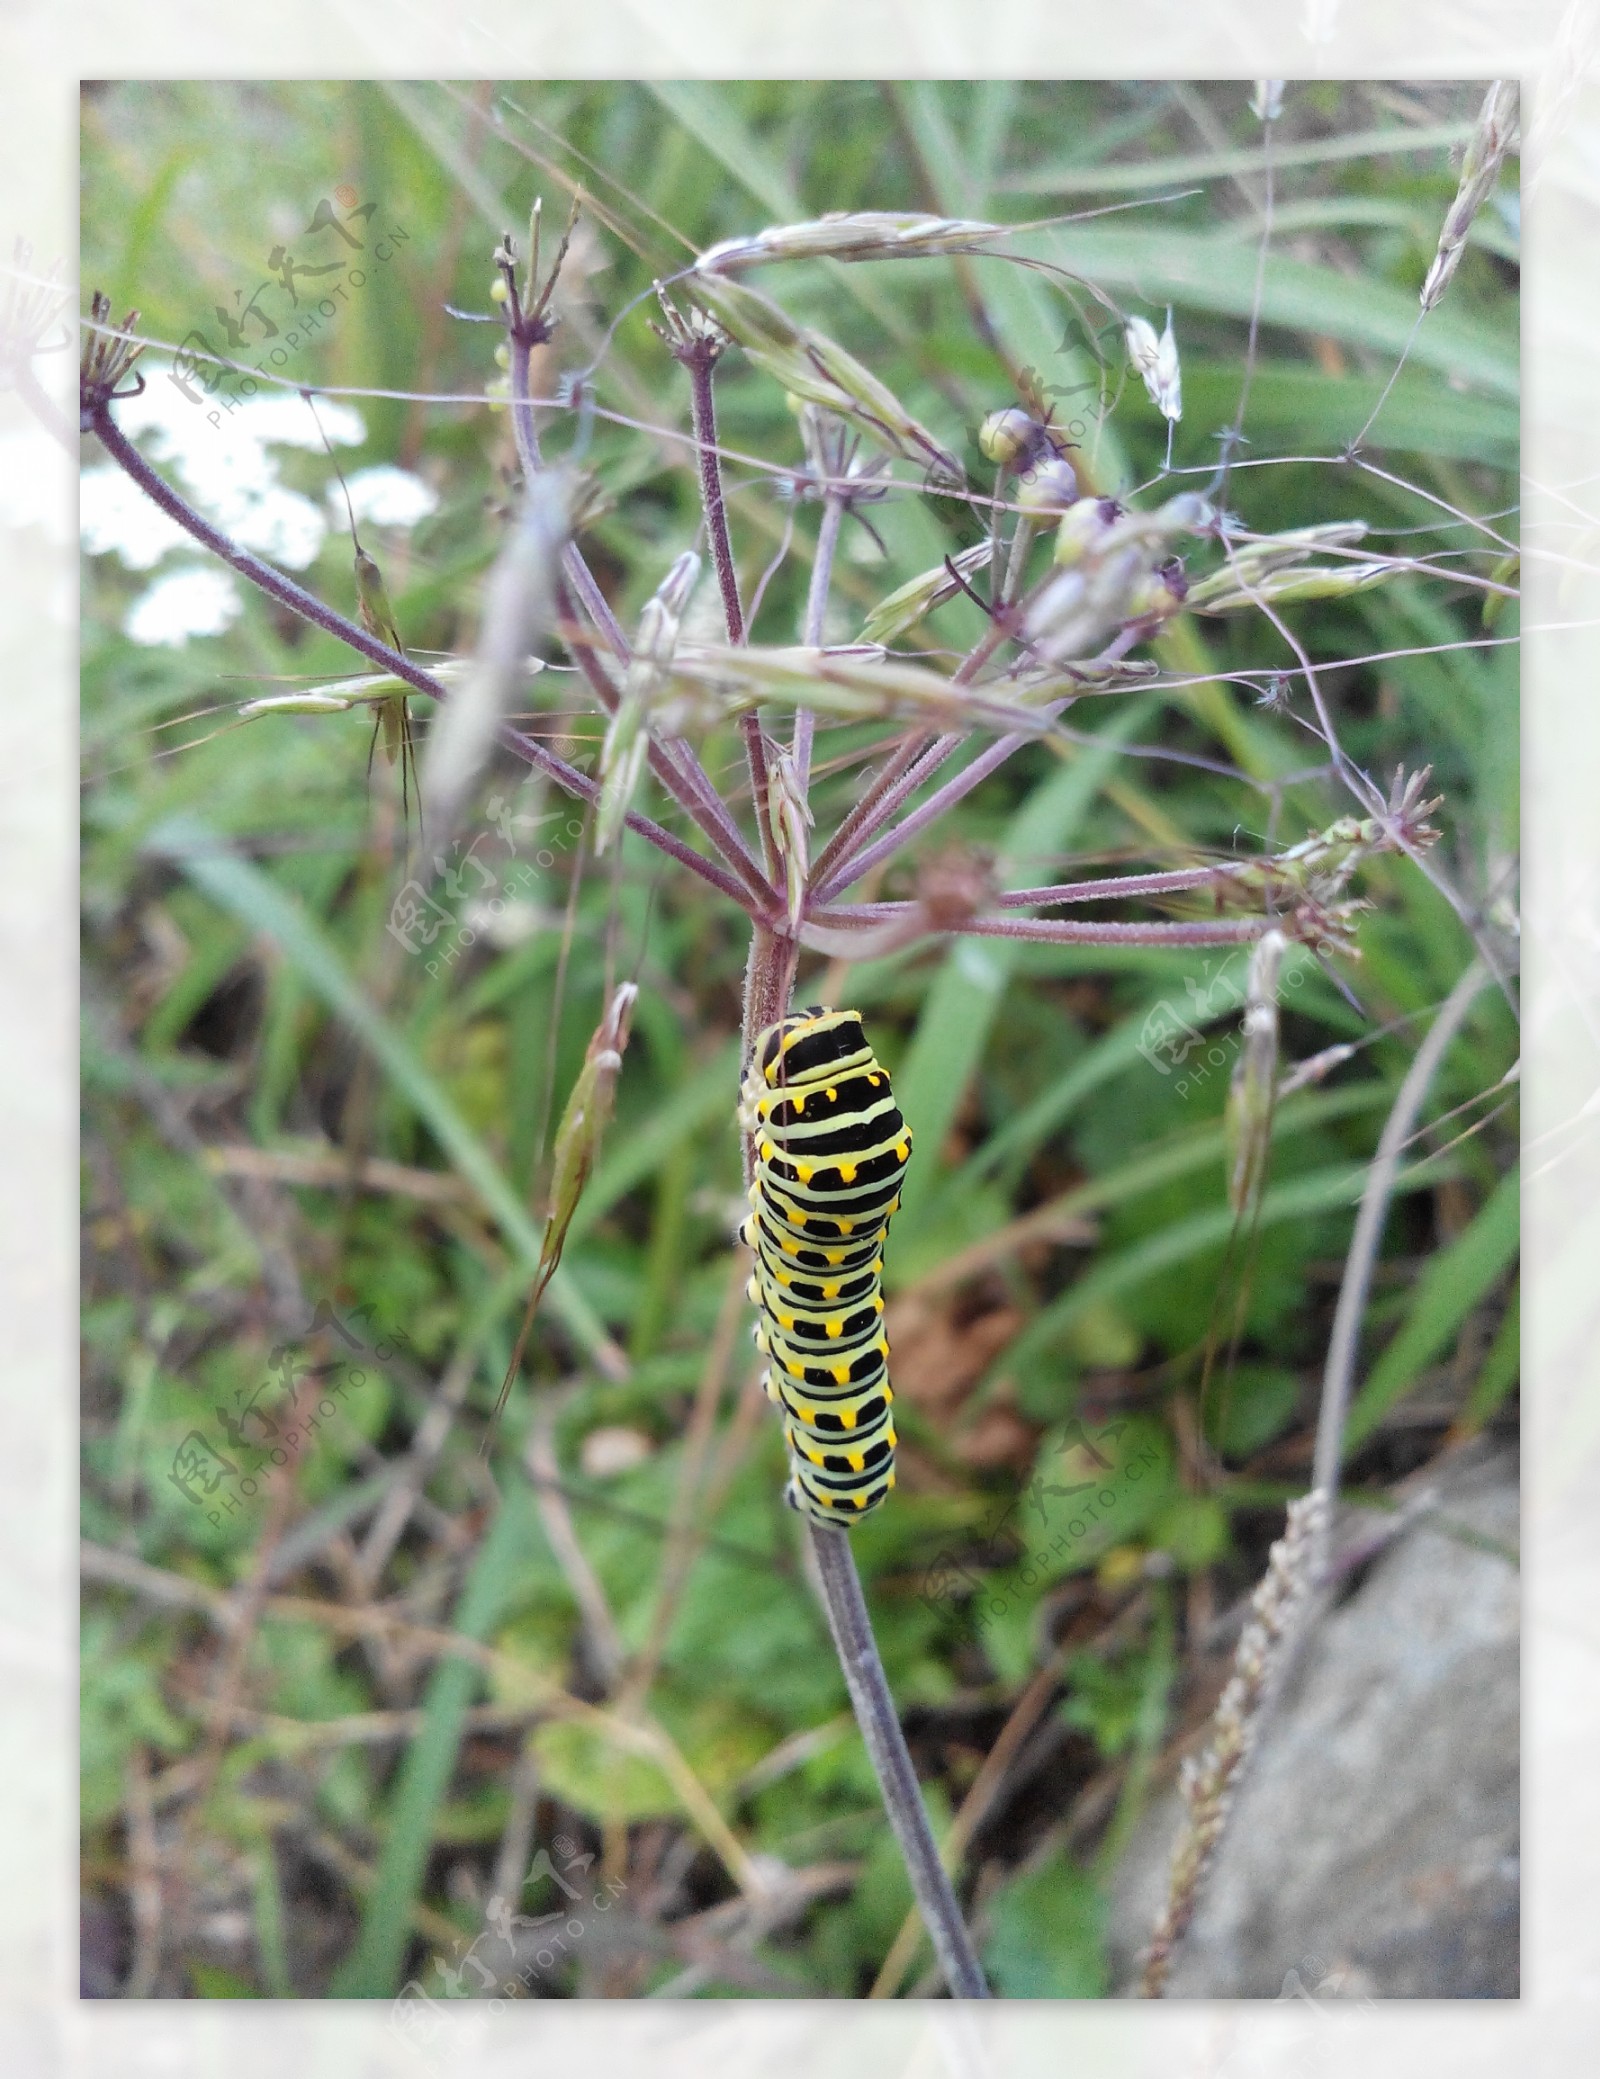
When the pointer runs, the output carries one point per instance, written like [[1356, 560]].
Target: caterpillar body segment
[[831, 1148]]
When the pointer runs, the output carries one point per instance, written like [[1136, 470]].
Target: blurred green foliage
[[242, 992]]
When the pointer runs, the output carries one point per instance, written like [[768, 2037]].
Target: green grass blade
[[240, 888], [372, 1970], [1207, 273], [1452, 1284]]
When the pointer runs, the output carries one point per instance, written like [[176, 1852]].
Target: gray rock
[[1373, 1848]]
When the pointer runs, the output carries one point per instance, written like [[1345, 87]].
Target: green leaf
[[1451, 1285], [1199, 272], [1500, 1368], [1072, 177], [248, 894], [1047, 1936]]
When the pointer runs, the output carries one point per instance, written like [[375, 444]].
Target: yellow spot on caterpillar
[[902, 1149], [830, 1290], [841, 1374], [833, 1095], [848, 1417], [847, 1227], [803, 1410], [798, 1217], [847, 1172], [855, 1461], [882, 1346], [816, 1457], [874, 1081], [860, 1501], [833, 1328], [795, 1371], [786, 1320], [799, 1102], [767, 1151], [772, 1071], [888, 1395], [783, 1277], [889, 1482], [791, 1248], [834, 1256], [893, 1439], [877, 1306]]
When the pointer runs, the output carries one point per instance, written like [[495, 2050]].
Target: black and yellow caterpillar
[[830, 1148]]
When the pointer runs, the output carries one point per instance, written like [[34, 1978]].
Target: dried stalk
[[1339, 1371], [1210, 1784]]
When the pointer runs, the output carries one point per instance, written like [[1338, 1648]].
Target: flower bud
[[1006, 435], [1084, 526], [1051, 488]]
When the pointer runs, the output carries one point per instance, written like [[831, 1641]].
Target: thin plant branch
[[100, 422], [891, 1761], [1339, 1371]]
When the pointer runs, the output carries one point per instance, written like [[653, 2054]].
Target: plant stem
[[768, 980], [1339, 1371], [577, 570], [891, 1761], [690, 786], [310, 608], [677, 768], [700, 358]]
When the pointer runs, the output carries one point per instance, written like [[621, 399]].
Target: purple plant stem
[[945, 797], [1056, 931], [700, 359], [860, 821], [579, 575], [675, 766], [310, 608], [1231, 931], [1114, 887], [878, 802], [849, 855], [690, 786]]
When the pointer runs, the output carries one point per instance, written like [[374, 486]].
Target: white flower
[[184, 603], [1156, 361]]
